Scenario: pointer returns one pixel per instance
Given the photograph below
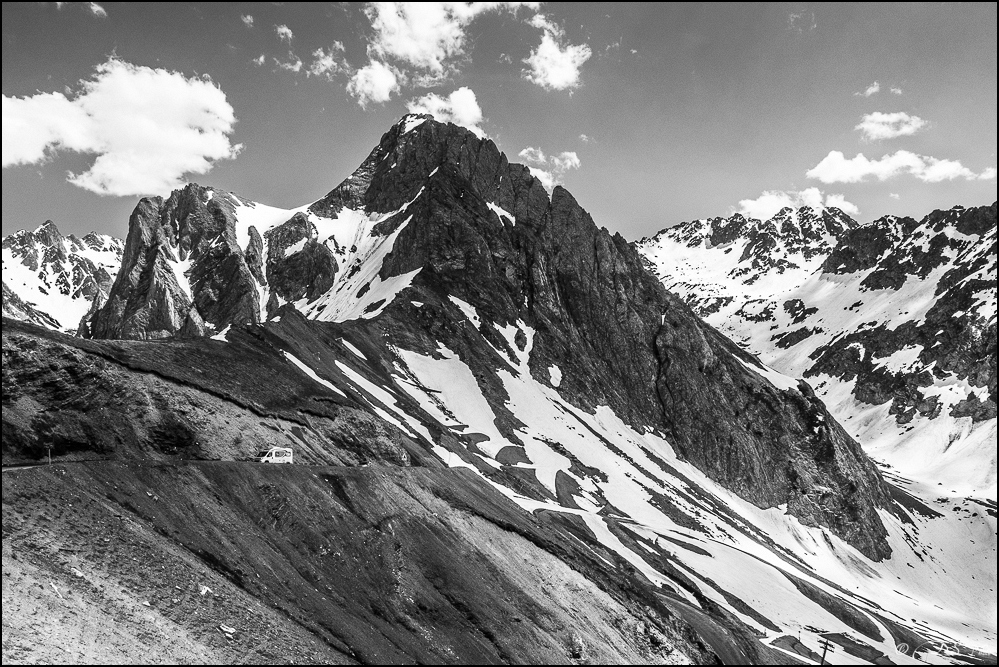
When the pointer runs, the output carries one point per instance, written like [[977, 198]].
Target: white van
[[276, 455]]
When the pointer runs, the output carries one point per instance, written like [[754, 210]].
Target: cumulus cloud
[[550, 170], [460, 108], [988, 174], [427, 36], [872, 89], [879, 125], [260, 60], [836, 168], [768, 204], [247, 20], [284, 33], [328, 62], [147, 127], [554, 65], [894, 195], [375, 82], [532, 155], [896, 91]]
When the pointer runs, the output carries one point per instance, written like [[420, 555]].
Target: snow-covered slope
[[490, 326], [53, 280], [893, 323]]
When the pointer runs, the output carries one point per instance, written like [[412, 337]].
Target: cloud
[[147, 127], [550, 170], [532, 155], [460, 108], [328, 62], [292, 64], [896, 91], [894, 195], [247, 20], [880, 125], [836, 168], [872, 89], [284, 33], [426, 36], [552, 65], [92, 8], [770, 203], [584, 138], [988, 174], [375, 82], [260, 60], [801, 21]]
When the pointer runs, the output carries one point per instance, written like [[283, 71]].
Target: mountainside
[[439, 310], [894, 323], [52, 280]]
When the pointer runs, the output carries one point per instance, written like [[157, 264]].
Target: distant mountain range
[[490, 397], [893, 322], [53, 280]]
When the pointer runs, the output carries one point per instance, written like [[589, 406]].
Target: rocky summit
[[514, 442]]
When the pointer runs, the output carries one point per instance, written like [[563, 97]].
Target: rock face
[[52, 280], [182, 271], [469, 226], [899, 314]]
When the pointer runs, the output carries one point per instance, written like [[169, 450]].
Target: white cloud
[[284, 33], [584, 138], [896, 91], [801, 22], [552, 65], [292, 64], [988, 174], [840, 202], [426, 35], [871, 90], [836, 168], [460, 108], [260, 60], [894, 195], [768, 204], [147, 127], [550, 170], [328, 62], [247, 20], [563, 162], [375, 82], [533, 155], [547, 178], [879, 125], [92, 7]]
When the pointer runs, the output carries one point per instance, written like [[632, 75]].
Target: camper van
[[275, 455]]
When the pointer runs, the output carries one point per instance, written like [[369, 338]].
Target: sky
[[649, 114]]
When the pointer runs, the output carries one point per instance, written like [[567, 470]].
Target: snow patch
[[312, 374]]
